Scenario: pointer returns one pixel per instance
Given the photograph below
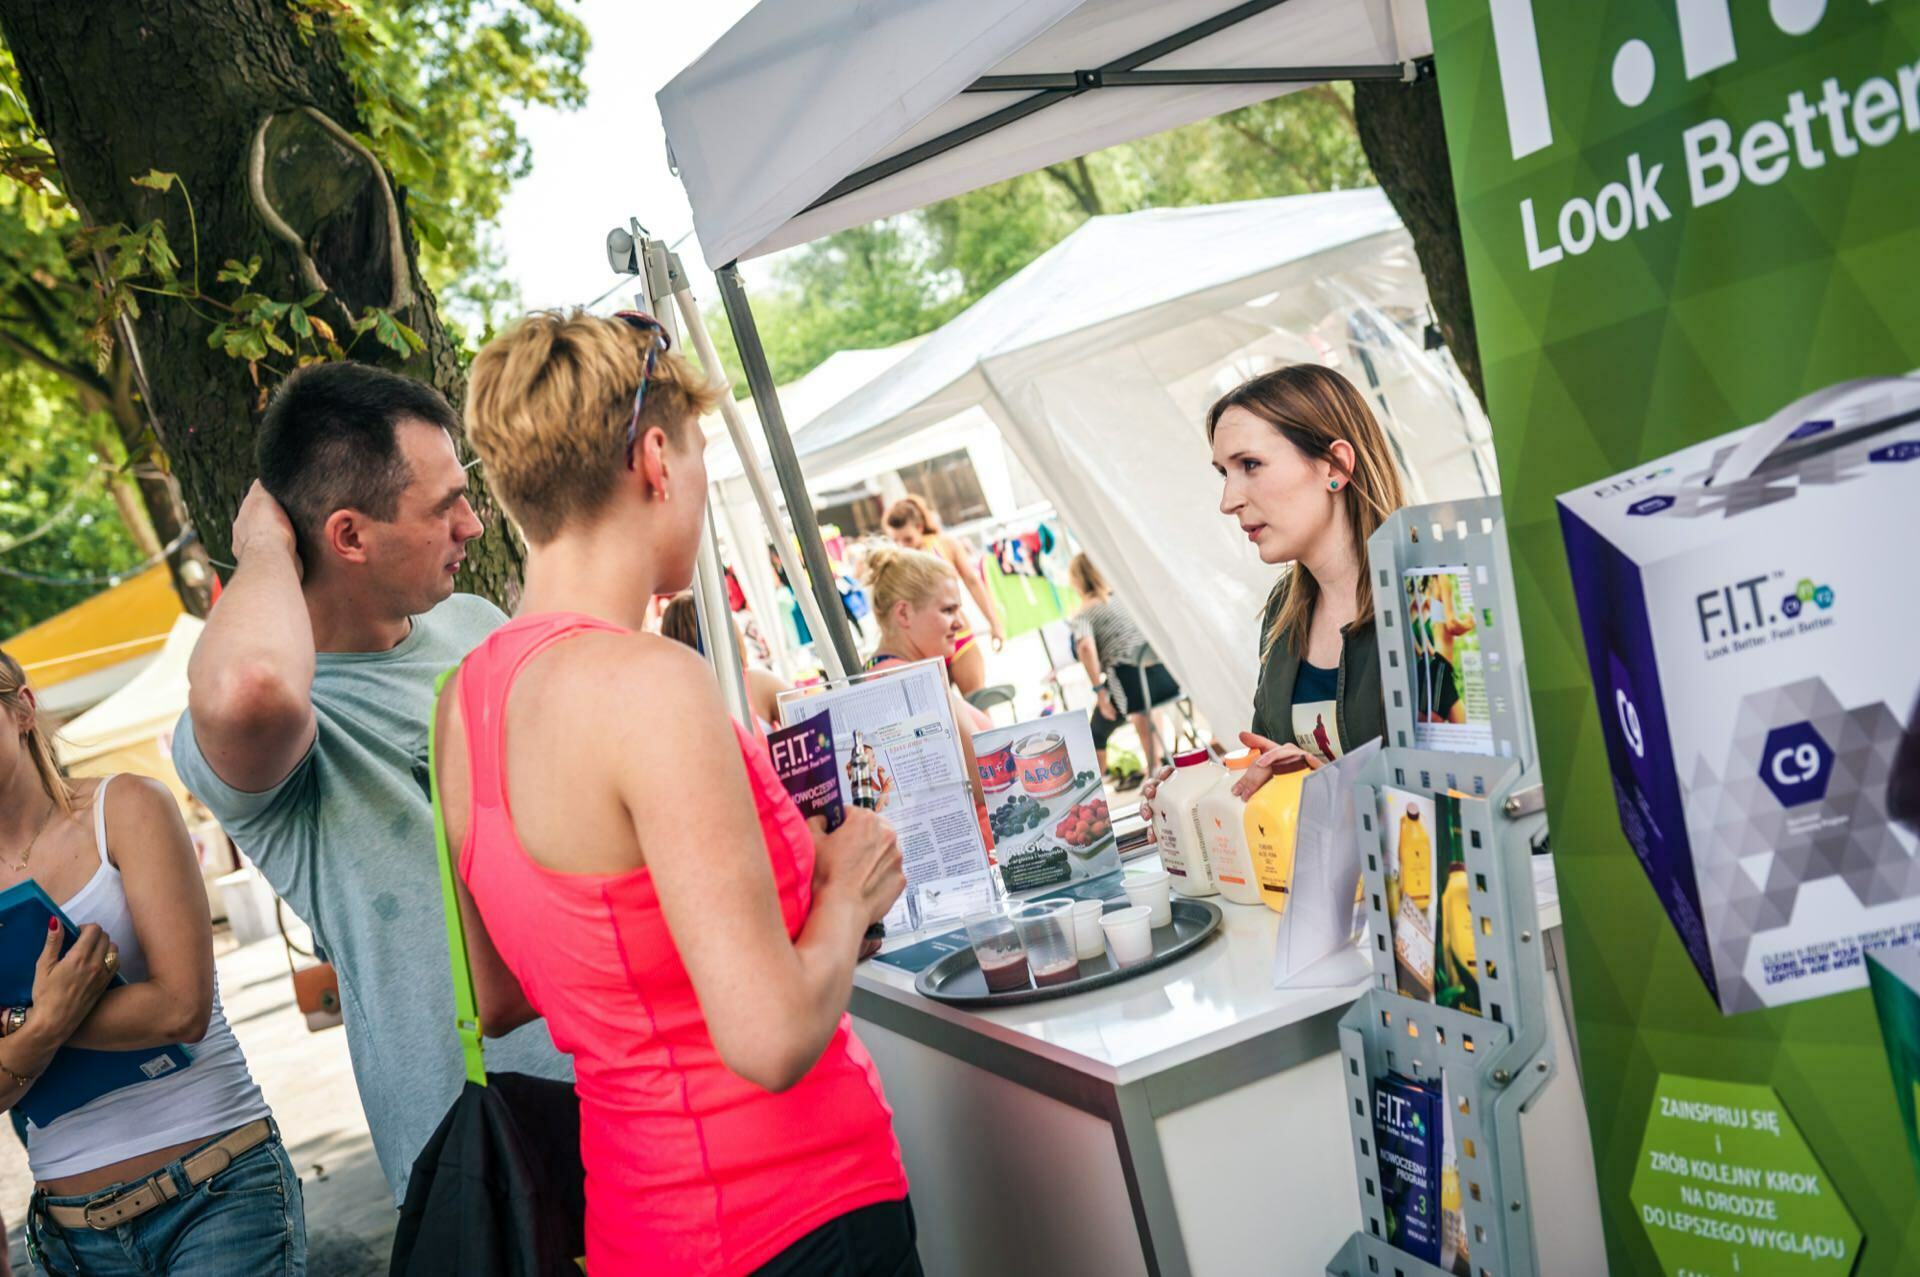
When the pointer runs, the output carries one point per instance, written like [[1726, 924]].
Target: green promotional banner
[[1692, 232]]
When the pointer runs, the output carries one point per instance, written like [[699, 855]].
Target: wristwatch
[[11, 1020]]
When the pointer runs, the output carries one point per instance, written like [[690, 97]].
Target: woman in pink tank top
[[632, 868]]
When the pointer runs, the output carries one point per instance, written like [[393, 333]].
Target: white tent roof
[[801, 94], [1097, 363], [1111, 269], [803, 399], [147, 707]]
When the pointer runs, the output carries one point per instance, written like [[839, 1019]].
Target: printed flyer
[[1046, 802], [804, 760], [1450, 707], [1407, 1135], [1407, 840], [896, 750]]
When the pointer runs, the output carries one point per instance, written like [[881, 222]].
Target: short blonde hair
[[548, 403], [895, 575]]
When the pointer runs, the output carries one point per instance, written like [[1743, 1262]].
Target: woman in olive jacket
[[1308, 475]]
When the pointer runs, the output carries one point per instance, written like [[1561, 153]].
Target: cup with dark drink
[[1046, 932], [997, 948]]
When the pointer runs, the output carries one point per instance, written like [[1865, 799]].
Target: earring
[[1333, 485]]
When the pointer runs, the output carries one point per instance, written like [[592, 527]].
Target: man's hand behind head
[[262, 526]]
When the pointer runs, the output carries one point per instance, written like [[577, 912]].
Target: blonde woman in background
[[916, 603], [912, 525], [1110, 647], [187, 1170]]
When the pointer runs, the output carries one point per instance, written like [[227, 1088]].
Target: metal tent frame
[[1050, 89]]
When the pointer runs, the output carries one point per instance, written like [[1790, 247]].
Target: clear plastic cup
[[1154, 889], [1129, 933], [997, 948], [1046, 931], [1088, 940]]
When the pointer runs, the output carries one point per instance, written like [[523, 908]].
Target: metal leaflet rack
[[1496, 1063]]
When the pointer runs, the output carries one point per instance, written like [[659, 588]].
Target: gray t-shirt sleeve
[[277, 828], [238, 809]]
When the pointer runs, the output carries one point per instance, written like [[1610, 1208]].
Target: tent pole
[[716, 625], [756, 481], [786, 464]]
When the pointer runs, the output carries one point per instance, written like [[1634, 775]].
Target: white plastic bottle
[[1222, 817], [1183, 852]]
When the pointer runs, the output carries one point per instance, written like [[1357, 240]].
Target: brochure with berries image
[[1046, 802]]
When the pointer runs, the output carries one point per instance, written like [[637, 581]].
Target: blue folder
[[76, 1075]]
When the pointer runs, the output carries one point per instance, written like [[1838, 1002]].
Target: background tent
[[84, 654], [1096, 365], [806, 118], [132, 730]]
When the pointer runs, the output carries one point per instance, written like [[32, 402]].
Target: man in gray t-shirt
[[305, 733]]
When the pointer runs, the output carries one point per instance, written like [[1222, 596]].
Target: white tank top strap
[[100, 818]]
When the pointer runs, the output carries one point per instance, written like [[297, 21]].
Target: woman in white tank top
[[181, 1174]]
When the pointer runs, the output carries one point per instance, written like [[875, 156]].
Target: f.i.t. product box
[[1751, 610]]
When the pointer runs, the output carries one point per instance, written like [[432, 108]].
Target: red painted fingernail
[[53, 924]]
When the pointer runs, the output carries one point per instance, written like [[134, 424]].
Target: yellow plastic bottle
[[1416, 860], [1273, 824], [1456, 916]]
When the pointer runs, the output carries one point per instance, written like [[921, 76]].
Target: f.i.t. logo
[[1706, 44]]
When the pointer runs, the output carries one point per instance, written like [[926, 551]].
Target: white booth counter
[[1189, 1121]]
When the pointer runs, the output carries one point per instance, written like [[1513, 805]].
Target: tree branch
[[93, 391]]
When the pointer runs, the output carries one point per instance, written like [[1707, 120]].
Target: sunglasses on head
[[640, 321]]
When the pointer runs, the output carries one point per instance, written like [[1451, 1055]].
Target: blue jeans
[[247, 1221]]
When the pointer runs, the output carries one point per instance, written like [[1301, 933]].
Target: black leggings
[[872, 1241], [1157, 687]]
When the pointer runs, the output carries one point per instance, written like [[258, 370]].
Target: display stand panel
[[1493, 1063], [1454, 676], [1432, 544]]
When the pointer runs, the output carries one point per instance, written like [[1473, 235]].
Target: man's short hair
[[328, 442], [548, 404]]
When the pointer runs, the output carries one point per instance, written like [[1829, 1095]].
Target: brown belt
[[159, 1188]]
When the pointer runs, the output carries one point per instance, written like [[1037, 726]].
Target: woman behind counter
[[1308, 475]]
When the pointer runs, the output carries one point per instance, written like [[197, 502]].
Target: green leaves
[[234, 272], [390, 332], [156, 180]]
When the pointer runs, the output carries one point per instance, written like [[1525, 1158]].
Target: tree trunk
[[120, 87], [1405, 142]]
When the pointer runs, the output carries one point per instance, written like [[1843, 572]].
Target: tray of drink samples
[[957, 978]]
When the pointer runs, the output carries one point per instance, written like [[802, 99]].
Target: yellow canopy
[[129, 621]]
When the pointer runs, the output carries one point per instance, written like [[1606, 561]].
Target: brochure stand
[[1494, 1064]]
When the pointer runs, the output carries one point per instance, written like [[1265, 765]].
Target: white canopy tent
[[132, 729], [810, 116], [1097, 362]]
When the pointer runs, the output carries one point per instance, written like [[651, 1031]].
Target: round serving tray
[[956, 978]]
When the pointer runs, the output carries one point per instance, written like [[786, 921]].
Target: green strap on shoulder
[[466, 1008]]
